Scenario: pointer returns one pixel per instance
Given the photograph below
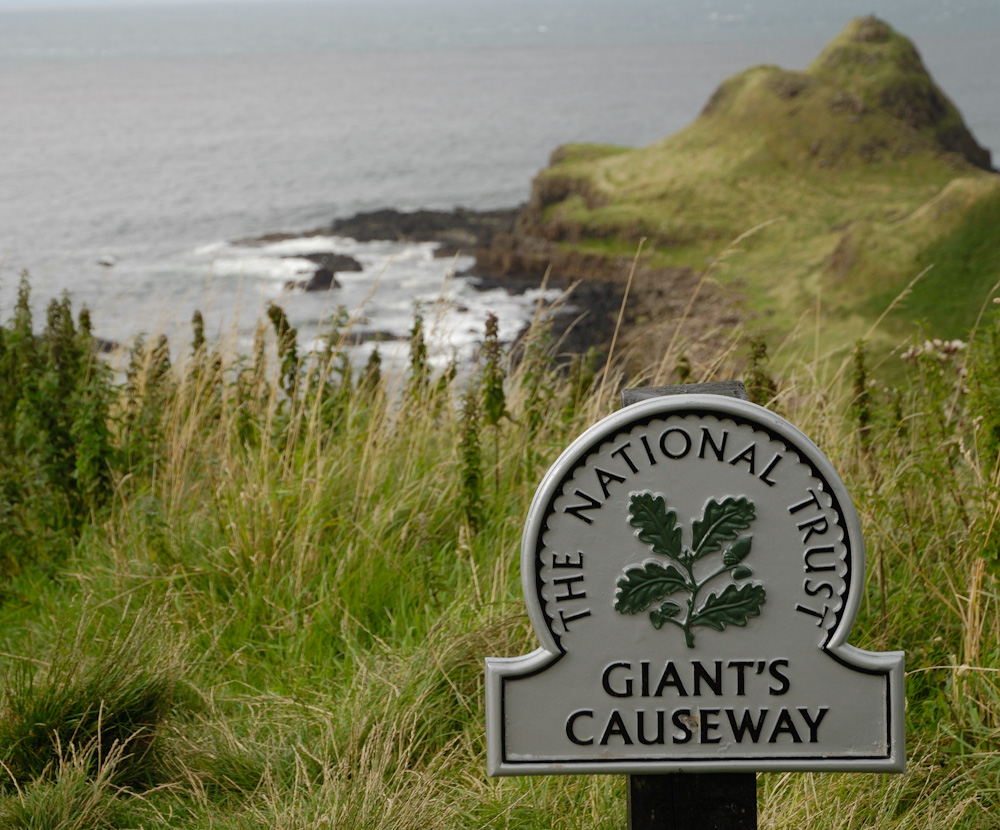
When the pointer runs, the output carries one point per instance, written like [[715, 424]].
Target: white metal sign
[[692, 566]]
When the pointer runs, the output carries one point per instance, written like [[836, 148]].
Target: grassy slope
[[277, 616], [849, 200]]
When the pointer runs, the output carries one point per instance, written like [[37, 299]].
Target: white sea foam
[[266, 269], [398, 280], [210, 249]]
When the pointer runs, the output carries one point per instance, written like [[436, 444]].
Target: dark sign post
[[692, 565], [686, 801]]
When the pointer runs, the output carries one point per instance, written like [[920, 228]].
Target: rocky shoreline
[[456, 231], [589, 316], [666, 307], [328, 265], [512, 254]]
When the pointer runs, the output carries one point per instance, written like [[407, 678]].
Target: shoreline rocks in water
[[587, 320], [507, 257], [455, 231], [324, 277], [510, 257]]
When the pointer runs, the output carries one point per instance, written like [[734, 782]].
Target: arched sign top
[[692, 566], [708, 433]]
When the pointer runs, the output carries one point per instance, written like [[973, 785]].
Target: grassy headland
[[257, 591], [810, 200]]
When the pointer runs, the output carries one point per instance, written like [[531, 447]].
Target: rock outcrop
[[456, 230], [325, 276]]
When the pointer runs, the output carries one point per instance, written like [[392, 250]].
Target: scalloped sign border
[[692, 566]]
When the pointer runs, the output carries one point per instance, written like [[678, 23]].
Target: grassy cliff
[[842, 184]]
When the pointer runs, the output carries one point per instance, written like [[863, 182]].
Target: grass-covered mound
[[871, 61], [851, 176], [257, 591]]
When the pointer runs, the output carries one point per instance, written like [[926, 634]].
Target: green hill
[[855, 176]]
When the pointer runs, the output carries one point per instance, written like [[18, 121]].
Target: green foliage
[[288, 354], [980, 375], [761, 387], [965, 267], [493, 375], [683, 370], [315, 555], [984, 394], [472, 463], [79, 794], [651, 582], [57, 458], [419, 366], [330, 375], [861, 404], [198, 333], [149, 391], [534, 379], [251, 393], [371, 375], [582, 373]]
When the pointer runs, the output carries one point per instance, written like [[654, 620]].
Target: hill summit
[[882, 68], [820, 192]]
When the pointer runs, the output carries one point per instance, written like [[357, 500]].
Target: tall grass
[[267, 601]]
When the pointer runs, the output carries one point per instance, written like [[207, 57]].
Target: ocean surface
[[139, 143]]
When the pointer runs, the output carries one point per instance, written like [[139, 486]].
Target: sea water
[[139, 144]]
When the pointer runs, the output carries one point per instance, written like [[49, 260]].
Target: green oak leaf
[[645, 584], [734, 606], [737, 551], [721, 522], [657, 525], [667, 611]]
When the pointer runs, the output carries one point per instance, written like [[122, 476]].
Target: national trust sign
[[692, 566]]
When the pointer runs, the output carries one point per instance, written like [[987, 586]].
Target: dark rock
[[103, 346], [279, 236], [337, 263], [456, 230], [321, 280], [324, 277]]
